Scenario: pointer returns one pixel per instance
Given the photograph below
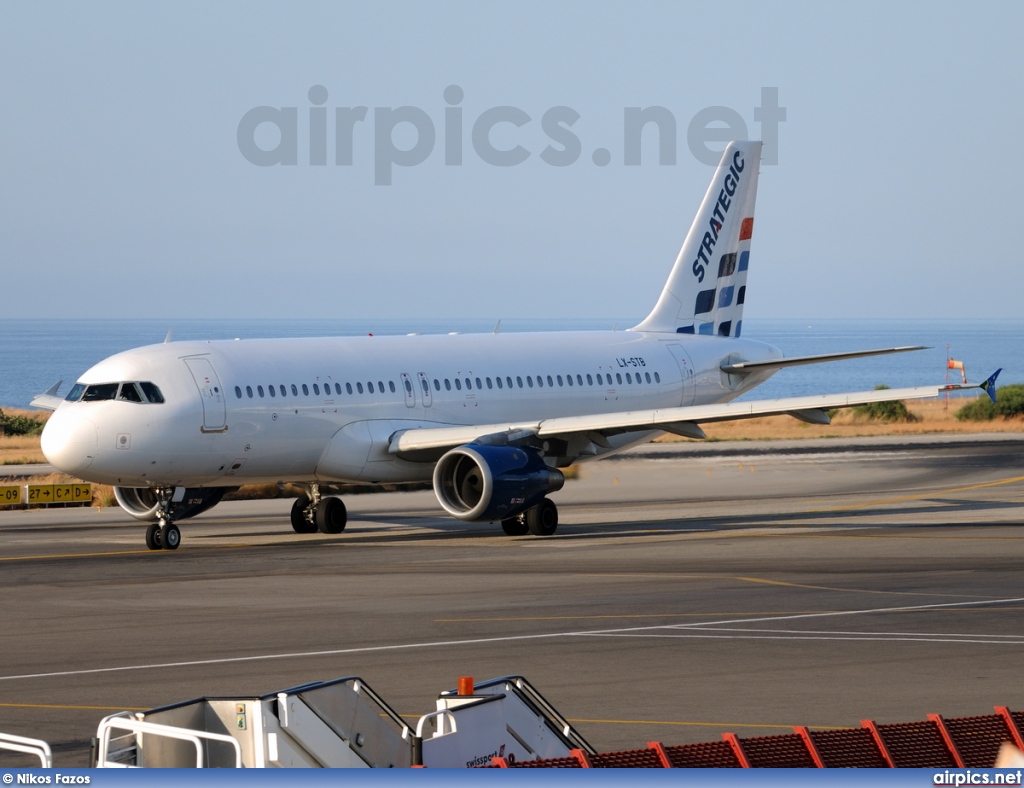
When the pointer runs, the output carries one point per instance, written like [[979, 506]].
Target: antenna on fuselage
[[167, 339], [497, 327]]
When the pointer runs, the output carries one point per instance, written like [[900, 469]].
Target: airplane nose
[[69, 441]]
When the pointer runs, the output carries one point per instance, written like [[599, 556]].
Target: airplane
[[489, 419]]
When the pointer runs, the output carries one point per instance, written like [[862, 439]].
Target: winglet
[[989, 386], [49, 399]]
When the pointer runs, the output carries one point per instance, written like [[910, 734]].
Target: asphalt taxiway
[[690, 590]]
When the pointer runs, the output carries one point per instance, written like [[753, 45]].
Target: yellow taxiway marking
[[65, 707], [120, 552], [918, 496], [703, 724]]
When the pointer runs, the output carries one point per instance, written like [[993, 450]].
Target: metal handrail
[[36, 747], [126, 723], [442, 714]]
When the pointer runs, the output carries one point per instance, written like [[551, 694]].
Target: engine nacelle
[[141, 502], [478, 482]]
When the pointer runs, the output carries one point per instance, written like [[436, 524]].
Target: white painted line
[[670, 630]]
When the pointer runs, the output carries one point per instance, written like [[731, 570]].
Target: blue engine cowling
[[479, 482]]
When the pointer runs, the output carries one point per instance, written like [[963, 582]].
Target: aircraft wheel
[[514, 526], [331, 516], [542, 520], [300, 523], [170, 537], [153, 537]]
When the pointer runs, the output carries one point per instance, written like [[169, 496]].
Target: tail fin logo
[[730, 183]]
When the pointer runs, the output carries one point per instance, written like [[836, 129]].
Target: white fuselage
[[324, 409]]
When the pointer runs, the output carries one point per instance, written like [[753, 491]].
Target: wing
[[682, 420]]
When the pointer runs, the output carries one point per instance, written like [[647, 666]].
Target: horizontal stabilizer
[[745, 367]]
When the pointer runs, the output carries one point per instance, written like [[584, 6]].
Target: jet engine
[[488, 483], [141, 502]]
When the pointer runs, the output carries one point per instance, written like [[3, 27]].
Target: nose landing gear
[[163, 534]]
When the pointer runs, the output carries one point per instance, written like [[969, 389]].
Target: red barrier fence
[[965, 742]]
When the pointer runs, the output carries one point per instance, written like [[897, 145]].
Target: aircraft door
[[424, 388], [410, 392], [211, 393], [686, 372]]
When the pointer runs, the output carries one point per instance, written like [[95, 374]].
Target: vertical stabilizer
[[705, 292]]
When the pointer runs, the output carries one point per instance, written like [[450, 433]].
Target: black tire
[[300, 523], [515, 526], [153, 537], [170, 537], [331, 516], [542, 520]]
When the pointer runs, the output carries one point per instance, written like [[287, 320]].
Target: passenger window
[[337, 388], [550, 381], [628, 378], [590, 380], [568, 379], [425, 385], [529, 381], [380, 386], [519, 380], [295, 390], [305, 390], [469, 384], [489, 383], [447, 384], [458, 384], [369, 386], [437, 384], [153, 393], [647, 375], [498, 381], [508, 382], [657, 378], [559, 380], [408, 386], [600, 381], [238, 392], [348, 387], [259, 390], [618, 377], [359, 387], [248, 390], [391, 385], [273, 391], [478, 383]]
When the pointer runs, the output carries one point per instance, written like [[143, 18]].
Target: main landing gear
[[313, 512], [541, 520], [163, 534]]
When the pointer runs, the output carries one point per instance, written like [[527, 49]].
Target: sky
[[140, 177]]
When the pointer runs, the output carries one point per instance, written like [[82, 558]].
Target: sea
[[35, 354]]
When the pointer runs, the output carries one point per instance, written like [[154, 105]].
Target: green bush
[[20, 425], [1009, 403], [885, 411]]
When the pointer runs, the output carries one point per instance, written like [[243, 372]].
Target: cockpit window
[[100, 391], [129, 393], [152, 392], [125, 392]]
